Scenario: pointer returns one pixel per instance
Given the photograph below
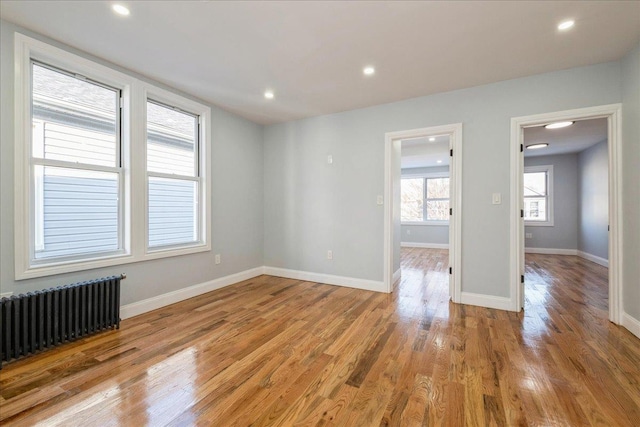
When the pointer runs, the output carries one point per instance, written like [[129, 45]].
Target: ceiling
[[421, 153], [572, 139], [311, 54]]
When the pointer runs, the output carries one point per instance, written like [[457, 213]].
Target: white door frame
[[613, 115], [391, 181]]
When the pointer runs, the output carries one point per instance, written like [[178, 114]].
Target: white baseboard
[[631, 323], [489, 301], [551, 251], [601, 261], [424, 245], [351, 282], [149, 304]]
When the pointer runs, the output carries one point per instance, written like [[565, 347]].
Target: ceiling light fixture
[[269, 94], [369, 71], [537, 146], [120, 9], [438, 161], [558, 125], [432, 139], [565, 25]]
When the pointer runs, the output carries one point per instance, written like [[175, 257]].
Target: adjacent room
[[326, 213]]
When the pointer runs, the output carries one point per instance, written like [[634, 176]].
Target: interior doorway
[[536, 184], [448, 137]]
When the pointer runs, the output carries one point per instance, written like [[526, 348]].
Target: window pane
[[173, 205], [437, 210], [412, 191], [535, 184], [437, 188], [77, 212], [171, 140], [535, 209], [74, 120]]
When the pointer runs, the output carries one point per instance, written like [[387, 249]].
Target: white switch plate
[[408, 231], [497, 198], [330, 159], [329, 254], [379, 200], [218, 259]]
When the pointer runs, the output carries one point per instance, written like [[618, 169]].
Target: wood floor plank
[[271, 351]]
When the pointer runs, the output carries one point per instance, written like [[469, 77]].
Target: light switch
[[330, 159], [380, 200], [497, 198]]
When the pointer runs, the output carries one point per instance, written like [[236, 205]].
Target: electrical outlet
[[528, 235], [408, 232], [218, 260], [329, 254], [379, 200]]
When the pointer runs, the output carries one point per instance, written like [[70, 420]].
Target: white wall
[[564, 232], [631, 182], [593, 213], [237, 217], [311, 207]]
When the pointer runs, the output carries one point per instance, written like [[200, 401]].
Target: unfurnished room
[[323, 213]]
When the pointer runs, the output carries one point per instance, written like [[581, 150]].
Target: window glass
[[173, 210], [412, 193]]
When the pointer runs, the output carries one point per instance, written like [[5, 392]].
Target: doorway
[[533, 204], [392, 196]]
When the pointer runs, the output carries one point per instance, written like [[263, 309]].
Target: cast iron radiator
[[43, 319]]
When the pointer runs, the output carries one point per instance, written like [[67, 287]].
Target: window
[[425, 199], [173, 181], [108, 169], [75, 165], [538, 195]]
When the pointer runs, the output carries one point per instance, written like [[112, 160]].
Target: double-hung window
[[108, 169], [173, 177], [75, 166], [538, 195], [425, 199]]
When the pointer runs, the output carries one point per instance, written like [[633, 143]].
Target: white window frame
[[549, 171], [133, 146], [425, 176]]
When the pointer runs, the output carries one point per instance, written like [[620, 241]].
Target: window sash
[[545, 197], [426, 200]]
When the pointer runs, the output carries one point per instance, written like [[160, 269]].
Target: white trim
[[392, 143], [613, 113], [489, 301], [429, 223], [329, 279], [593, 258], [153, 303], [424, 245], [631, 323], [551, 251]]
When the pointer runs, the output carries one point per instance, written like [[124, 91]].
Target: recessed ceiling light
[[269, 94], [120, 9], [537, 146], [438, 161], [369, 71], [432, 139], [565, 25], [558, 125]]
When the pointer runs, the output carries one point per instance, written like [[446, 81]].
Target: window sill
[[429, 223], [538, 224]]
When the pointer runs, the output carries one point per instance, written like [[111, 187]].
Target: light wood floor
[[273, 351]]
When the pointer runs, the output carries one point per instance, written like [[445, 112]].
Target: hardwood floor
[[274, 351]]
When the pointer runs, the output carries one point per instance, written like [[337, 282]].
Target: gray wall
[[564, 232], [438, 234], [593, 213], [237, 165], [631, 181], [311, 207]]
